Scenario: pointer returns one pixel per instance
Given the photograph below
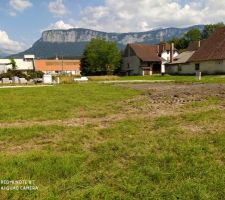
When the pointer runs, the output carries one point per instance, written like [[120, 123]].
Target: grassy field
[[60, 102], [178, 79], [96, 141]]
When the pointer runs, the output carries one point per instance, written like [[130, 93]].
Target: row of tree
[[194, 35], [103, 58]]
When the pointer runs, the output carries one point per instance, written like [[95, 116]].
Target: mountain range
[[71, 43]]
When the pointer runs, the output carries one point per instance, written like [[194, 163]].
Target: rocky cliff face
[[72, 35], [85, 35], [72, 42]]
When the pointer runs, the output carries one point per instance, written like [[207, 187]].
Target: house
[[143, 59], [5, 64], [25, 64], [180, 64], [208, 57], [58, 66]]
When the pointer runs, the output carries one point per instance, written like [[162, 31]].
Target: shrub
[[11, 73], [33, 74]]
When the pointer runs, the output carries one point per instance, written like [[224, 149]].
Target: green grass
[[138, 157], [60, 102], [132, 159], [178, 79]]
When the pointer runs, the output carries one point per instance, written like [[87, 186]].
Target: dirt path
[[23, 86]]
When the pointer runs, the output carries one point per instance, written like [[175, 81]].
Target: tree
[[193, 35], [210, 29], [13, 63], [179, 43], [183, 42], [100, 58], [84, 63]]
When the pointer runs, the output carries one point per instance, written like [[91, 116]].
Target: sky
[[23, 21]]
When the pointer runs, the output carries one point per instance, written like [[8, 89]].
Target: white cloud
[[61, 25], [18, 6], [143, 15], [8, 46], [58, 8]]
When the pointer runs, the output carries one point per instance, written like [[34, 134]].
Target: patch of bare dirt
[[179, 93]]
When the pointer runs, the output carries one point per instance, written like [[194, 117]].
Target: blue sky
[[22, 21], [26, 26]]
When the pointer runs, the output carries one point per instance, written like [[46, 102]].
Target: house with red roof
[[144, 59], [180, 64], [58, 66], [207, 58]]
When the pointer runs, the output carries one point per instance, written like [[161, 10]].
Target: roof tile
[[212, 49], [147, 53]]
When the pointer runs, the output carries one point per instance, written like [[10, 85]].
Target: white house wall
[[213, 67], [24, 65], [20, 63], [206, 67], [3, 68], [4, 65], [4, 61], [166, 56]]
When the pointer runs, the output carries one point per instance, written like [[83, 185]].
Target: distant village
[[205, 56], [30, 63]]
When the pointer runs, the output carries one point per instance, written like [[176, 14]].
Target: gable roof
[[164, 47], [182, 58], [195, 45], [147, 53], [212, 49]]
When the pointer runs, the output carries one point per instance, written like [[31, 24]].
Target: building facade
[[25, 64], [5, 64], [142, 59], [208, 57], [58, 66], [180, 64]]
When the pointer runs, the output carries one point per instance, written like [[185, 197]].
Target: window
[[197, 67], [219, 62], [179, 68]]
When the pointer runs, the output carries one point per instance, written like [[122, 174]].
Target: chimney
[[199, 44], [171, 52]]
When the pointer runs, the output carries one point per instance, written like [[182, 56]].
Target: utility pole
[[62, 64]]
